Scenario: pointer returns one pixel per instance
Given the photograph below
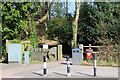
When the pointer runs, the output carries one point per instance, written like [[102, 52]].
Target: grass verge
[[100, 63]]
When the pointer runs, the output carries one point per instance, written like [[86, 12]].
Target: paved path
[[56, 69]]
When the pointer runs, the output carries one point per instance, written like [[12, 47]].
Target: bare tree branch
[[46, 15]]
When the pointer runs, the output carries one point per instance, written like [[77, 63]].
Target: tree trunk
[[66, 7], [39, 21], [29, 24], [75, 26], [45, 16]]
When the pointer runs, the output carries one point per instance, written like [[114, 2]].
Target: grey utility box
[[77, 56], [26, 57]]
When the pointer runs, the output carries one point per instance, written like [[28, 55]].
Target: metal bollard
[[45, 66], [94, 57], [68, 66]]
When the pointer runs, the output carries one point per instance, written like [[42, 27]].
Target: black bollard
[[45, 66], [94, 57], [68, 66]]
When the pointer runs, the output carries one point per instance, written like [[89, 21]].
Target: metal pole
[[68, 66], [94, 56], [45, 66]]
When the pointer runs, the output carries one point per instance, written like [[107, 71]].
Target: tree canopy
[[98, 23]]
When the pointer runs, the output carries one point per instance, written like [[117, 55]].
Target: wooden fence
[[81, 46], [37, 53], [24, 44]]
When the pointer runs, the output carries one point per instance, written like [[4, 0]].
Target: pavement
[[56, 69]]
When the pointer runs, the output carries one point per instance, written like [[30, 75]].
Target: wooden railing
[[81, 46], [24, 43]]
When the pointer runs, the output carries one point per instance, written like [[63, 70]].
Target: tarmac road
[[56, 69]]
